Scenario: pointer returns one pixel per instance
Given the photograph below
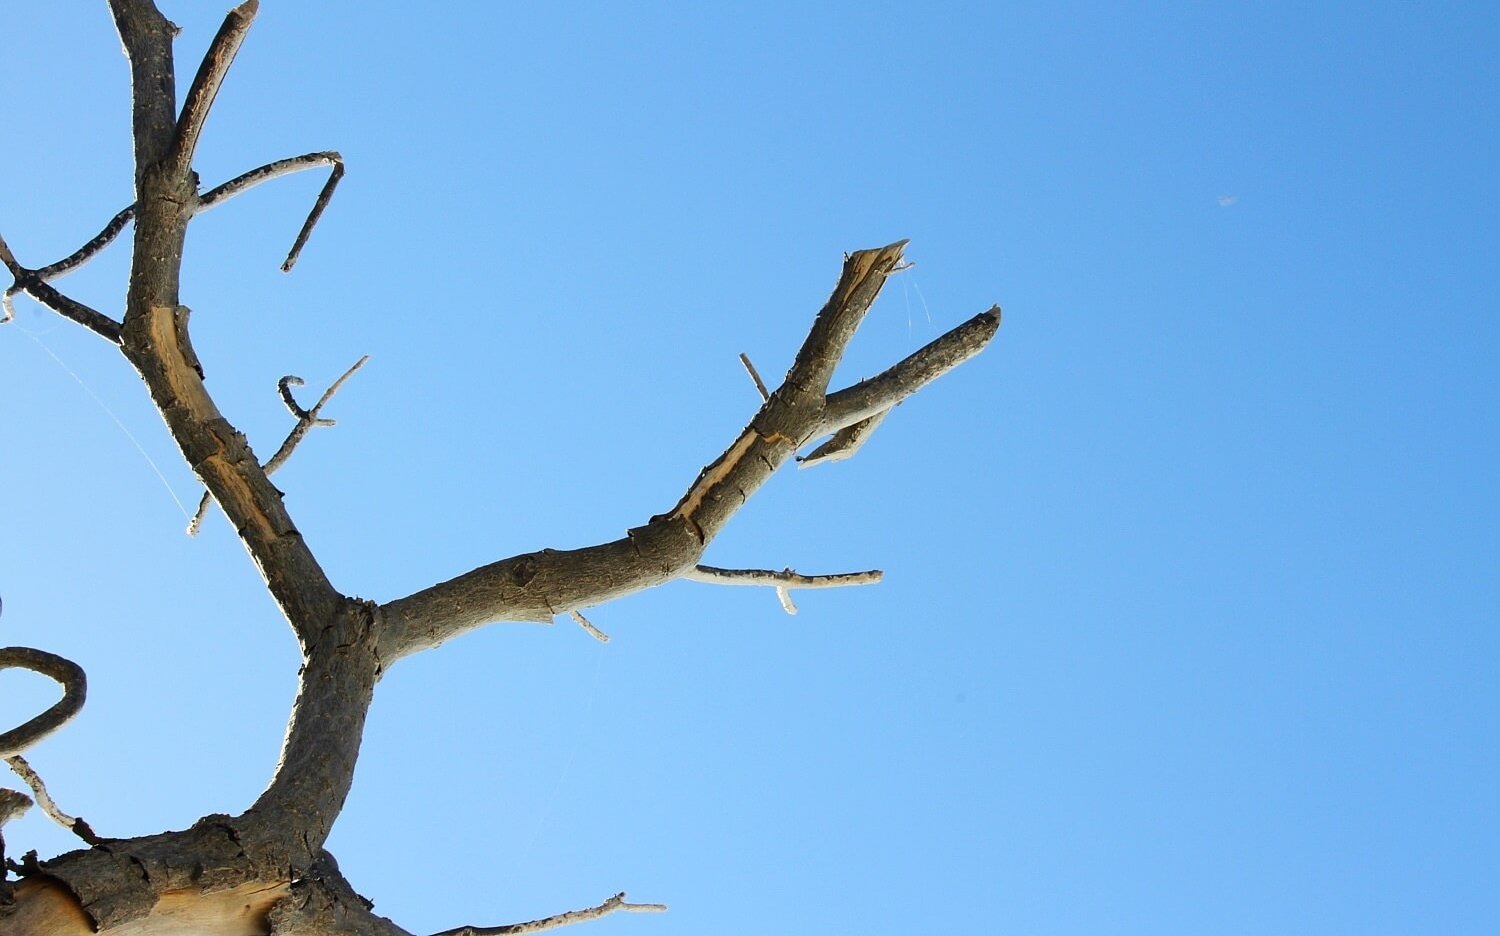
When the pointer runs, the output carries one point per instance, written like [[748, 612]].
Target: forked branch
[[30, 282], [60, 670], [539, 585], [306, 421], [206, 84]]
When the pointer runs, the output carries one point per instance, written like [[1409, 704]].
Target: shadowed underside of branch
[[264, 870]]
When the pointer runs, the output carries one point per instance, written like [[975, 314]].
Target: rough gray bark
[[265, 870]]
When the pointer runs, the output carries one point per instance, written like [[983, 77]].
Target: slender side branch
[[60, 670], [786, 578], [73, 824], [891, 386], [589, 627], [306, 421], [86, 253], [845, 443], [276, 170], [617, 902], [213, 197], [783, 581], [31, 282], [755, 376], [537, 586], [206, 84]]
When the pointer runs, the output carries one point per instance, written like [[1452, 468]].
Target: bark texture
[[264, 871]]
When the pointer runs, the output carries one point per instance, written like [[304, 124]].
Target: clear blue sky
[[1189, 623]]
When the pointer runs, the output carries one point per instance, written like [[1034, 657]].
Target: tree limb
[[275, 170], [58, 669], [786, 578], [617, 902], [43, 799], [539, 585], [845, 443], [205, 87], [879, 393], [31, 282], [306, 421]]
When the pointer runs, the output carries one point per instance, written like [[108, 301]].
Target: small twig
[[206, 84], [845, 443], [307, 419], [617, 902], [759, 384], [783, 581], [73, 824], [784, 594], [593, 631]]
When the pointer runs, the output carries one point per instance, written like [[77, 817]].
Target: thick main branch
[[536, 586]]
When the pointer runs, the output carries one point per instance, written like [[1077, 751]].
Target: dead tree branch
[[535, 586], [783, 581], [588, 626], [786, 578], [617, 902], [306, 421], [60, 670], [206, 85], [265, 868], [30, 282], [755, 376], [73, 824]]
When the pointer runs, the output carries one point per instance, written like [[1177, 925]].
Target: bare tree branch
[[891, 386], [58, 669], [30, 282], [617, 902], [755, 376], [537, 586], [786, 578], [783, 581], [845, 443], [210, 199], [271, 170], [147, 38], [43, 799], [306, 421], [86, 253], [205, 87], [588, 626]]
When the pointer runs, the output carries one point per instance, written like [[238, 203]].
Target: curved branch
[[58, 669], [31, 282], [44, 799]]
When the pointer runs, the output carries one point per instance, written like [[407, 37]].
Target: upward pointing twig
[[206, 84], [306, 420]]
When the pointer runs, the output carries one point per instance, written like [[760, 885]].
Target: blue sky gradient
[[1189, 623]]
